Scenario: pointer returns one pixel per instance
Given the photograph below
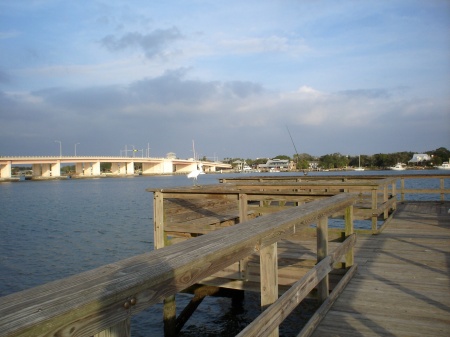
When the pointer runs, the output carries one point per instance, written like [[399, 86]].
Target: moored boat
[[359, 168], [398, 167], [445, 166]]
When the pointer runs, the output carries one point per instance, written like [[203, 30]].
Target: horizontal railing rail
[[105, 298], [442, 191]]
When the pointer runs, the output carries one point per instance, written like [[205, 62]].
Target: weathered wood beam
[[322, 251]]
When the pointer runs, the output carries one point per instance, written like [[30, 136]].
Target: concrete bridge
[[90, 165]]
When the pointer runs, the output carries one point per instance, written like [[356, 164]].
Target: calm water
[[54, 229]]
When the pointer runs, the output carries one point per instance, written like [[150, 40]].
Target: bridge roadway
[[90, 165]]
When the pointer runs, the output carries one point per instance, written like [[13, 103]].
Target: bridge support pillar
[[186, 168], [167, 166], [79, 169], [5, 171], [56, 169], [89, 169], [148, 168], [37, 170], [96, 168], [130, 168], [46, 170], [118, 168]]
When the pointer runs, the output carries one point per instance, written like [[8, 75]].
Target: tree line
[[338, 160]]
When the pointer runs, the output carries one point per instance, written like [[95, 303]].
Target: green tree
[[440, 155], [282, 156], [335, 160]]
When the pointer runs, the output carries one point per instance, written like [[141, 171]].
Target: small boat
[[445, 166], [398, 167], [359, 168]]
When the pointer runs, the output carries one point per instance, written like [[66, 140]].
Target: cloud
[[153, 44], [238, 118], [9, 34], [270, 44], [4, 77]]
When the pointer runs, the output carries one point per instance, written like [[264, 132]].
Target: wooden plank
[[269, 280], [158, 216], [322, 252], [349, 257]]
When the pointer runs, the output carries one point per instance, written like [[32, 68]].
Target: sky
[[226, 79]]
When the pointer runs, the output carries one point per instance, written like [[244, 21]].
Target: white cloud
[[9, 34], [269, 44]]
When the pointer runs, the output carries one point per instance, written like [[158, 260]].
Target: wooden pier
[[402, 286], [270, 237]]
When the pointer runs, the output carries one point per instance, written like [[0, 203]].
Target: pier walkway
[[402, 286]]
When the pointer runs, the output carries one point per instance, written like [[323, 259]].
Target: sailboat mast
[[193, 149], [293, 144]]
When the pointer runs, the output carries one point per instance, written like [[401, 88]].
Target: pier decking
[[402, 286]]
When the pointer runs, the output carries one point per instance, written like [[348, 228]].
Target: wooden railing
[[442, 191], [378, 193], [101, 301]]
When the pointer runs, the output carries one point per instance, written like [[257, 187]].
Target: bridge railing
[[101, 301]]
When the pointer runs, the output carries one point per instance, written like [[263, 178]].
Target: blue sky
[[344, 76]]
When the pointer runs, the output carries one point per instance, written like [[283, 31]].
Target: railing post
[[394, 194], [349, 257], [169, 308], [322, 252], [374, 211], [402, 189], [268, 258], [385, 199], [243, 207], [158, 220], [170, 316], [442, 185], [121, 329], [243, 216]]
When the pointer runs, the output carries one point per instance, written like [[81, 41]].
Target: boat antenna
[[293, 145]]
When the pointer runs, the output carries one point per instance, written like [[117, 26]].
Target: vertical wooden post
[[349, 257], [170, 316], [385, 199], [442, 185], [243, 216], [158, 220], [169, 309], [374, 211], [268, 257], [394, 195], [322, 252], [402, 189], [243, 207], [121, 329]]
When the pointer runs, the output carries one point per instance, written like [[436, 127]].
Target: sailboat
[[359, 168]]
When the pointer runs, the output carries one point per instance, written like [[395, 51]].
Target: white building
[[280, 164], [419, 157]]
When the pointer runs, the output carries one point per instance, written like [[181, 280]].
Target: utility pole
[[60, 147]]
